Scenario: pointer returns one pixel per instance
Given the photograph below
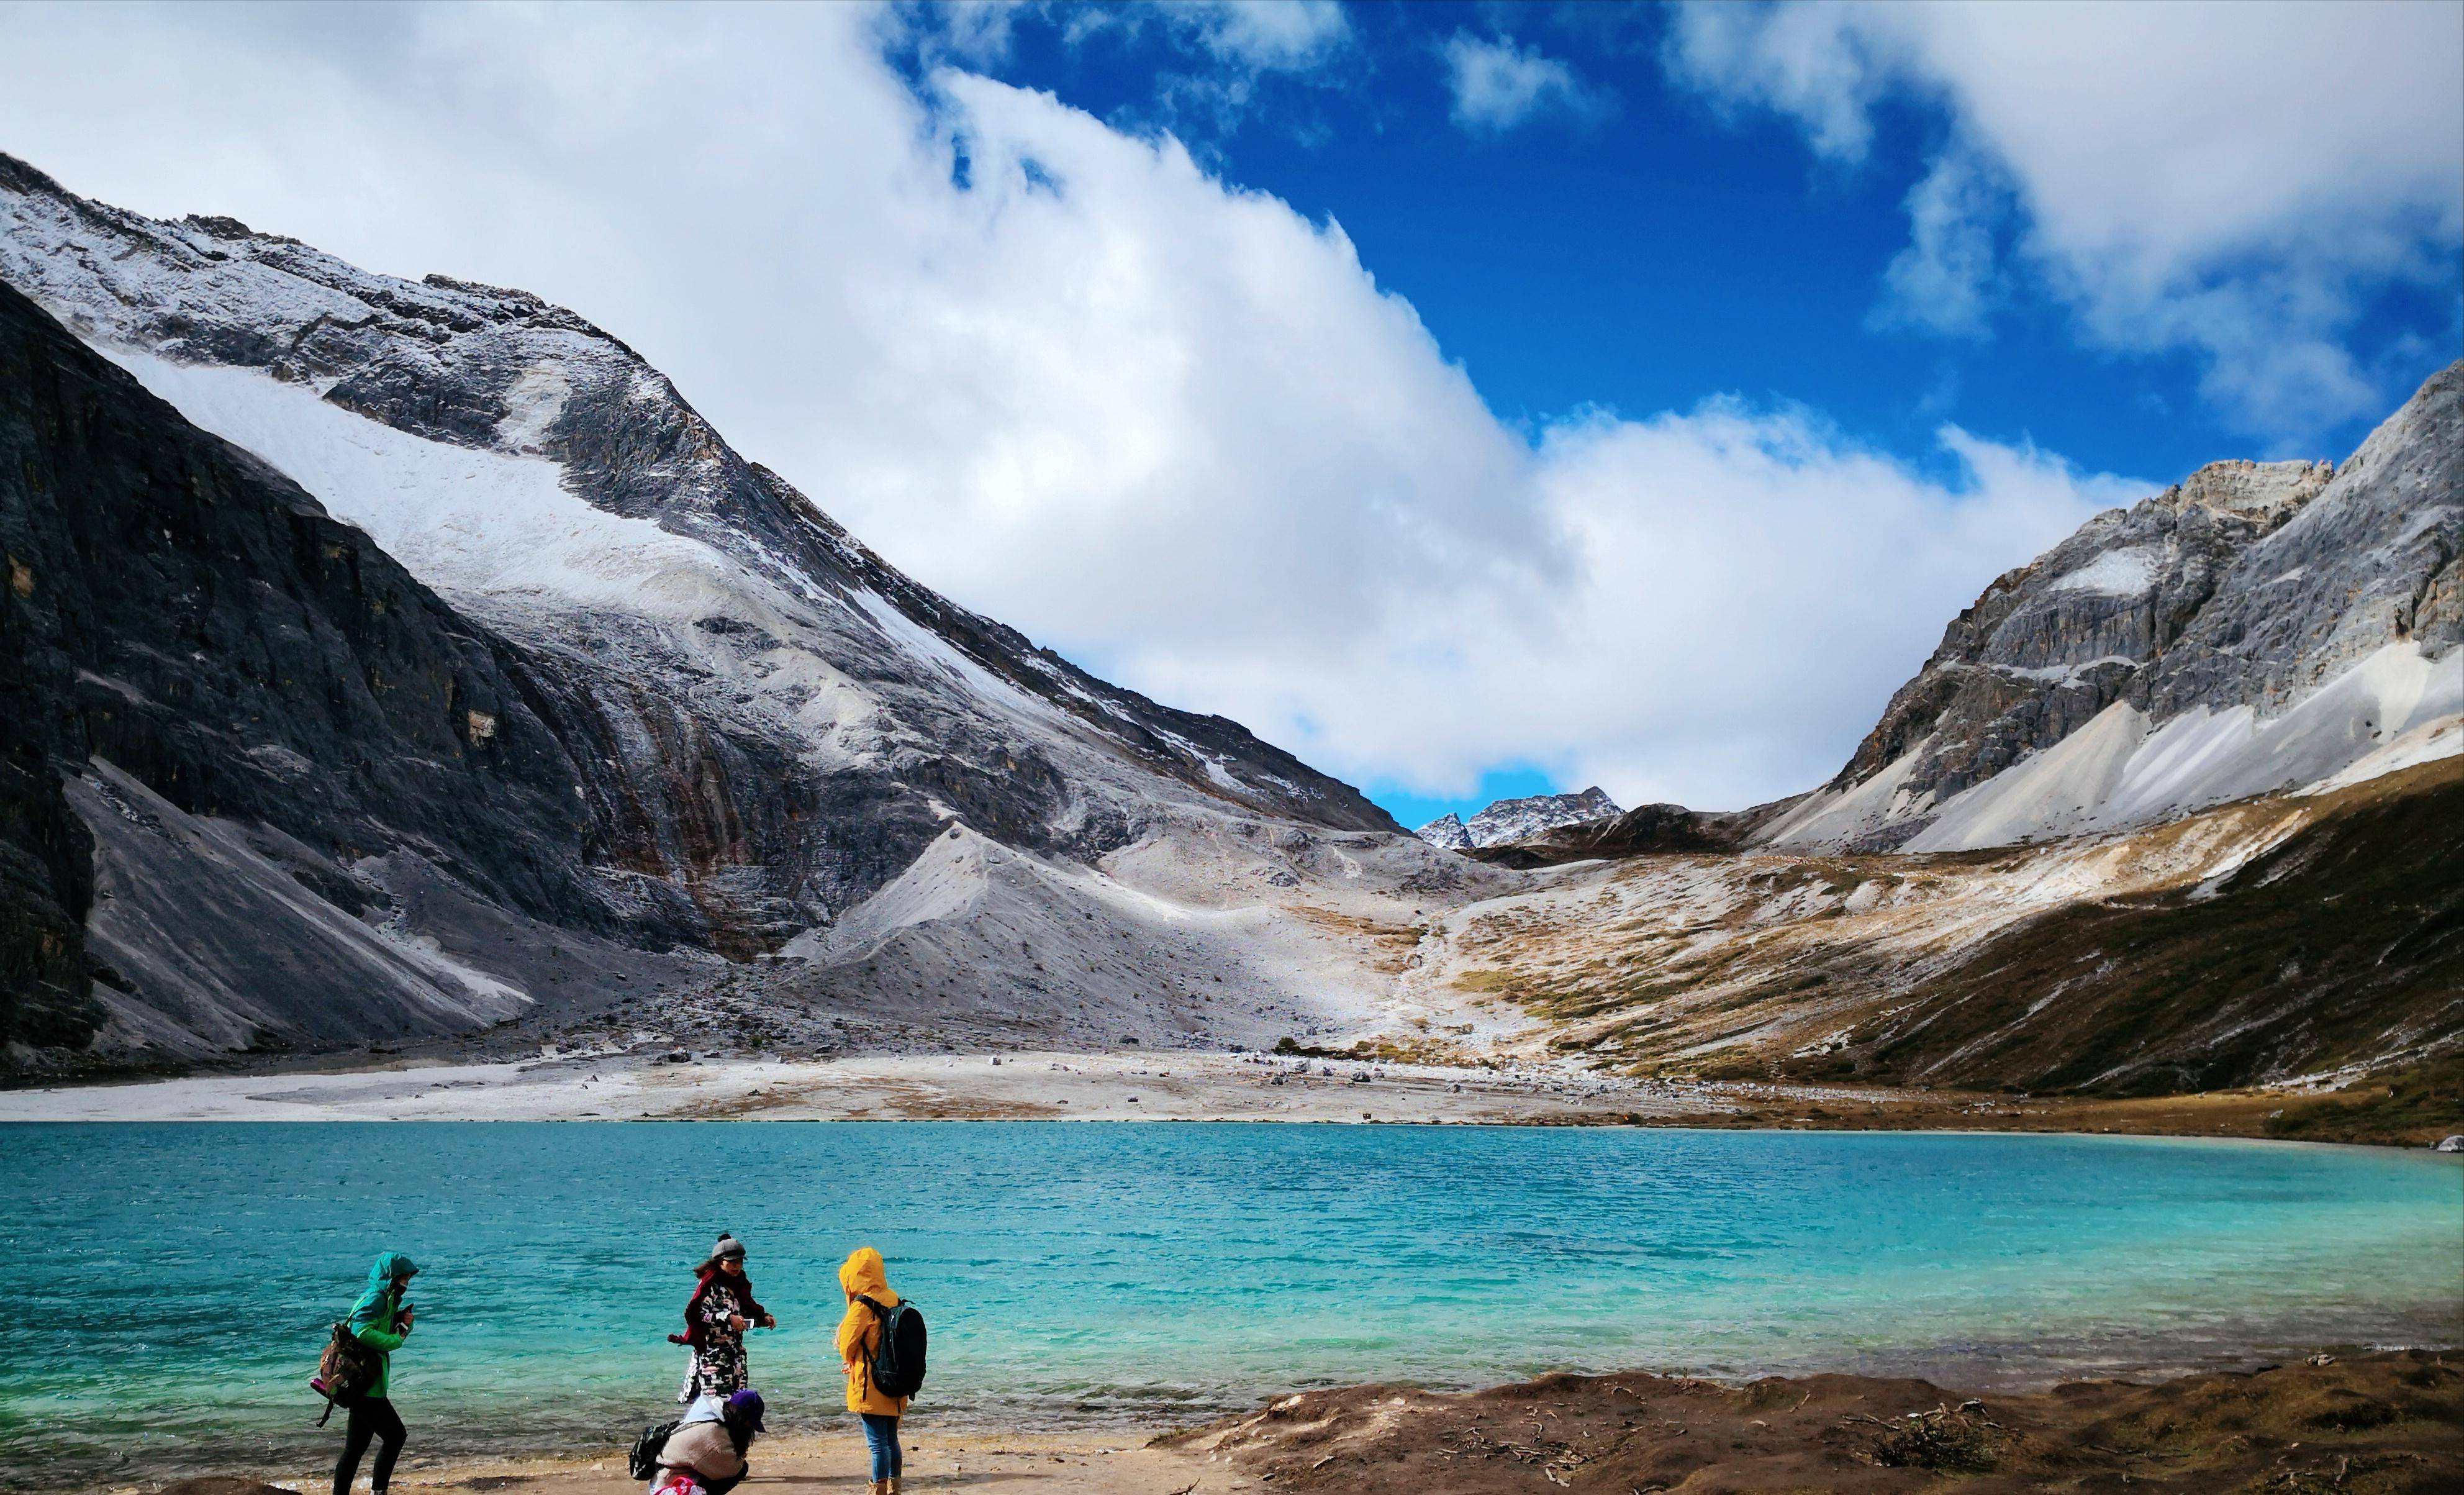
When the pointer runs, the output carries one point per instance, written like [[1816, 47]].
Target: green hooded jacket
[[372, 1318]]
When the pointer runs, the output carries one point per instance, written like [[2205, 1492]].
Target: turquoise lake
[[169, 1286]]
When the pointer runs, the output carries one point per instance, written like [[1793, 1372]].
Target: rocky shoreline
[[2381, 1422], [2389, 1423]]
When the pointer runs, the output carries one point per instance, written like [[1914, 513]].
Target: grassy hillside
[[2343, 945]]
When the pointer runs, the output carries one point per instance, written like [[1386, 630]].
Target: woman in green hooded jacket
[[380, 1321]]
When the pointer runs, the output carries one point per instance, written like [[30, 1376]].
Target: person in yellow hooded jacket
[[866, 1282]]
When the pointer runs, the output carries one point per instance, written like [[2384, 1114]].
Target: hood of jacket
[[378, 1302], [863, 1275]]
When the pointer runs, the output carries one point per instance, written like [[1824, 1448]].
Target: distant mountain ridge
[[409, 657], [1514, 820]]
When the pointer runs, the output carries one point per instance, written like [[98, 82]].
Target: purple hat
[[747, 1405]]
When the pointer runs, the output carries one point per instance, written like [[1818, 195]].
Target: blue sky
[[1629, 244], [1471, 399], [1639, 253], [1642, 251]]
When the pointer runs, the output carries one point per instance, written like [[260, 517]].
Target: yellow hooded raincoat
[[862, 1275]]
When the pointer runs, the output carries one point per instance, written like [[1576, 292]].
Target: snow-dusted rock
[[538, 474], [768, 723], [1514, 819], [1446, 831], [2260, 627]]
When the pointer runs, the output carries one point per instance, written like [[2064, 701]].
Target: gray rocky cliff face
[[1446, 832], [2377, 558], [2193, 627], [188, 638], [2052, 644]]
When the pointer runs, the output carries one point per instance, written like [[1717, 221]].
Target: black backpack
[[643, 1462], [344, 1372], [898, 1356]]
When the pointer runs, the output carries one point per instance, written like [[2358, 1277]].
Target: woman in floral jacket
[[720, 1310]]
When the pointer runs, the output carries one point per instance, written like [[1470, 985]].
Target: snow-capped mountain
[[1514, 819], [392, 659], [2259, 627], [763, 724], [2217, 741], [2229, 722]]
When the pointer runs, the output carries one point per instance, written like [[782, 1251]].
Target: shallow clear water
[[168, 1288]]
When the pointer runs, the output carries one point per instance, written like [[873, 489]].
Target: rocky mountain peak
[[1514, 820], [2181, 628], [2267, 490], [460, 363]]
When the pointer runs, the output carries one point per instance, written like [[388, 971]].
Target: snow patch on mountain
[[2397, 709], [2117, 573], [471, 523]]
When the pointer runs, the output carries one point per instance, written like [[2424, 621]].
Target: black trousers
[[371, 1418]]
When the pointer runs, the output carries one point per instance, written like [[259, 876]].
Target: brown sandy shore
[[2372, 1424]]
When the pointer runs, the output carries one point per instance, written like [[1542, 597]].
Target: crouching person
[[704, 1455]]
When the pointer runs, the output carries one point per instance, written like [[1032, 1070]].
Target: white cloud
[[1752, 572], [2234, 180], [1747, 586], [1498, 84], [1168, 424]]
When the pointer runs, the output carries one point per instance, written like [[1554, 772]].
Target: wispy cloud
[[1263, 35], [1499, 83], [1223, 53], [1943, 280]]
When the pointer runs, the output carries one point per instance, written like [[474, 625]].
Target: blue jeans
[[881, 1436]]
